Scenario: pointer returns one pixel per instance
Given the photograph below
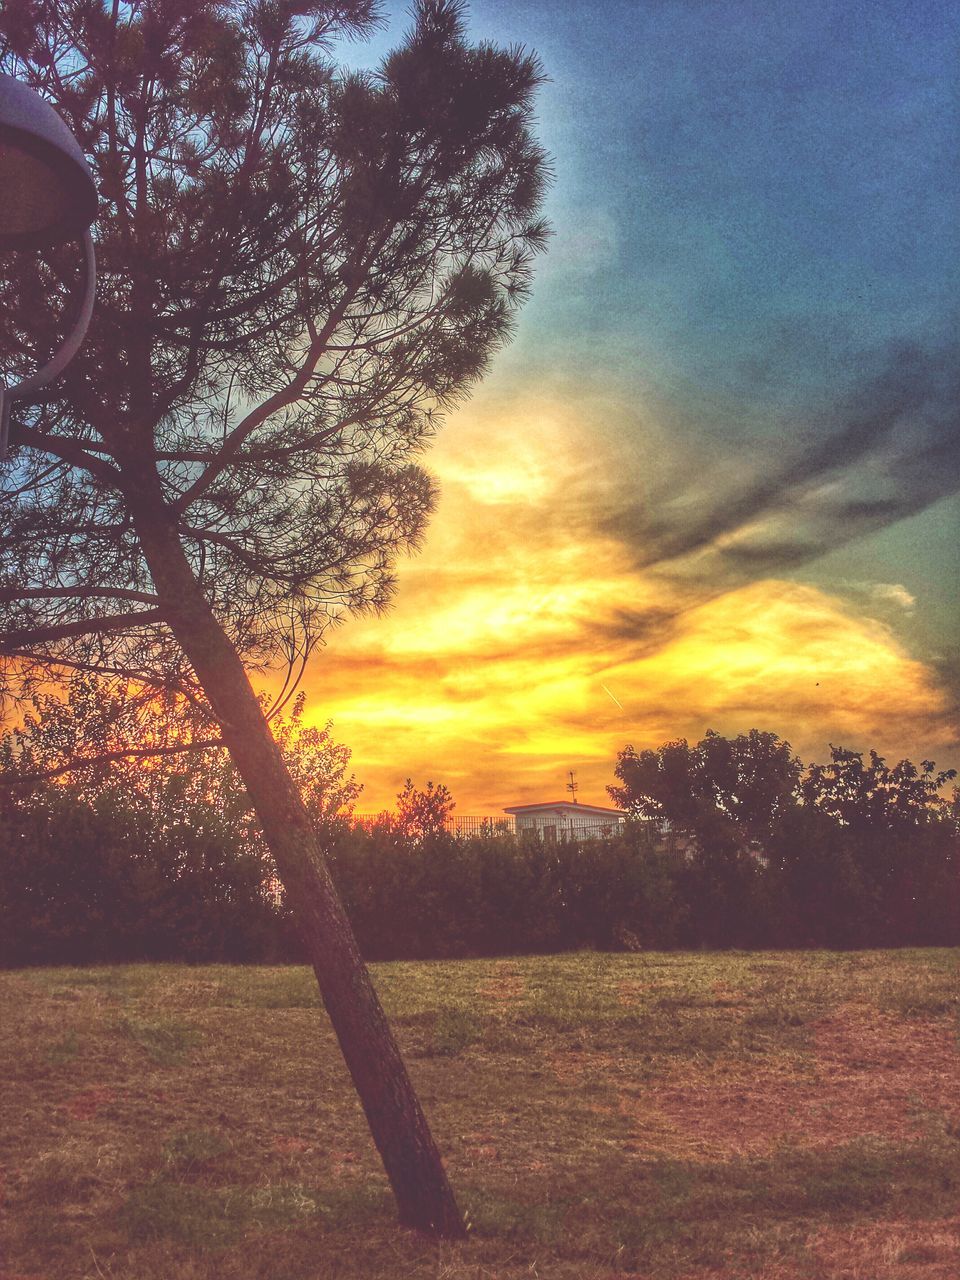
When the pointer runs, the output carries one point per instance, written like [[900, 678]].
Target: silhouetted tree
[[894, 831], [728, 796], [422, 814], [126, 858], [875, 797], [109, 738], [299, 268], [727, 793]]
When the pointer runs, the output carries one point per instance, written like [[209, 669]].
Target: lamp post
[[47, 196]]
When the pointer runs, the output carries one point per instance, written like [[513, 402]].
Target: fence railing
[[466, 825], [457, 825], [506, 824]]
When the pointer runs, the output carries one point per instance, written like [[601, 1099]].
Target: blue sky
[[748, 310]]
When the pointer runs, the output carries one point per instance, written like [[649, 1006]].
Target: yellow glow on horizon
[[516, 634]]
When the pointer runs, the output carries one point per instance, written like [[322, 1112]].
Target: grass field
[[737, 1115]]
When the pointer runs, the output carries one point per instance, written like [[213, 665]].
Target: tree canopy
[[877, 798], [96, 720], [726, 792], [300, 267], [422, 813]]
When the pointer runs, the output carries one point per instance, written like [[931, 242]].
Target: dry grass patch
[[865, 1073], [890, 1250], [666, 1117]]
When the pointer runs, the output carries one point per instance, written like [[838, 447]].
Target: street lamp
[[47, 196]]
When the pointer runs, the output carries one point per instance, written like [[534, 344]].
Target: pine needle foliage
[[301, 267]]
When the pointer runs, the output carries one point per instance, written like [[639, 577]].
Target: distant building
[[564, 820]]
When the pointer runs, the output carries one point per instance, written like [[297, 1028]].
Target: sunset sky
[[713, 482]]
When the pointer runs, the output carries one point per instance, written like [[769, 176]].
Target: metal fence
[[475, 825], [457, 825], [467, 825]]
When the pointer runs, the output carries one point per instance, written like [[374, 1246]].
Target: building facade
[[566, 820]]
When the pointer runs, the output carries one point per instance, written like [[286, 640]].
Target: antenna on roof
[[572, 786]]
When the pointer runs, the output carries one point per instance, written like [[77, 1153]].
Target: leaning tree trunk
[[397, 1123]]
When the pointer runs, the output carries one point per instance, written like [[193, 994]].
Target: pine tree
[[301, 268]]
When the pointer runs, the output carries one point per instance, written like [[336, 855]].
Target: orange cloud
[[517, 632]]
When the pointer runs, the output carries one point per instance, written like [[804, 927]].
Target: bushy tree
[[851, 853], [105, 736], [422, 813], [148, 851], [892, 831], [875, 797], [300, 268], [727, 793]]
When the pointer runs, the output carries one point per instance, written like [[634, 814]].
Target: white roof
[[565, 808]]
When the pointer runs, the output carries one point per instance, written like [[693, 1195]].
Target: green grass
[[455, 1029], [665, 1116], [164, 1041]]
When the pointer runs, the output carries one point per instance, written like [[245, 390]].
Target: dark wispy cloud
[[891, 448]]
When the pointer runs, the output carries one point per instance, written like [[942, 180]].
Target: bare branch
[[108, 757], [10, 595], [68, 451], [16, 641], [290, 394]]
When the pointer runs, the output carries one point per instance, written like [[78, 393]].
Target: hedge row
[[88, 883]]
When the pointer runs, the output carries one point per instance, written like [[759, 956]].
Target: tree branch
[[290, 394], [132, 753], [13, 641], [10, 595], [68, 451]]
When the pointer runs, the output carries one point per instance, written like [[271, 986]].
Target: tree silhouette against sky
[[300, 269]]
